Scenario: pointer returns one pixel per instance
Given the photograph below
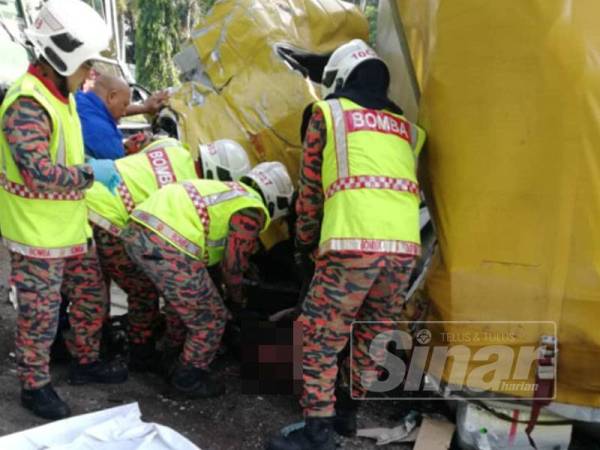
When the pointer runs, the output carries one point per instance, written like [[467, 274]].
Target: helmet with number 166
[[343, 61]]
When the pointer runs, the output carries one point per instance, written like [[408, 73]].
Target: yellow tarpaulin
[[511, 103], [254, 96]]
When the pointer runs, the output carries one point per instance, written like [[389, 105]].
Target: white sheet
[[119, 428]]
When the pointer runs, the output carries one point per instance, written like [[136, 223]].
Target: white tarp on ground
[[119, 428]]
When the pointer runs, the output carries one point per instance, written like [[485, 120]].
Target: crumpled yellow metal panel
[[511, 103], [256, 98]]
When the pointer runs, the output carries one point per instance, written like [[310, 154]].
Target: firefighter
[[44, 219], [185, 228], [163, 162], [358, 212]]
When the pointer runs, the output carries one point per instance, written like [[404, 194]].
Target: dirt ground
[[235, 421]]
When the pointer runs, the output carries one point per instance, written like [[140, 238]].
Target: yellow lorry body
[[510, 97]]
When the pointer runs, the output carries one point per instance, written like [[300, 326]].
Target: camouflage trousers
[[338, 296], [39, 283], [195, 312], [142, 296]]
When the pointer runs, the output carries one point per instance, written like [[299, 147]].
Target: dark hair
[[62, 80], [368, 86], [372, 75]]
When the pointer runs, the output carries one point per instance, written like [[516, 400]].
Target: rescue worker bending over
[[183, 229], [358, 209], [163, 162], [44, 220]]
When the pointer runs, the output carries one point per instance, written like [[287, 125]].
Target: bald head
[[114, 92]]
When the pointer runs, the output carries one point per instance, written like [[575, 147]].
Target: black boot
[[196, 383], [169, 361], [344, 422], [108, 372], [317, 434], [45, 402], [144, 358]]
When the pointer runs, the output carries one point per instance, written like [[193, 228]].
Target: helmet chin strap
[[198, 166], [62, 85], [48, 71]]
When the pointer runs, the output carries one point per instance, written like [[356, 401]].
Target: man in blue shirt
[[100, 110]]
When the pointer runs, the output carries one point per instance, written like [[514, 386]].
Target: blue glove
[[105, 173]]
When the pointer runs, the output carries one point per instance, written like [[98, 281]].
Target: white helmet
[[276, 186], [342, 62], [68, 33], [224, 160]]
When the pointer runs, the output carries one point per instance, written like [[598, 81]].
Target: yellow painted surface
[[256, 98], [511, 103]]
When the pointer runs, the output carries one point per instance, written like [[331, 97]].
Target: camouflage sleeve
[[244, 228], [28, 130], [309, 206]]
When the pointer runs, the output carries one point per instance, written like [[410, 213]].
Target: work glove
[[105, 173], [136, 143]]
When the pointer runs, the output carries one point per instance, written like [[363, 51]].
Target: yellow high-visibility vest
[[44, 224], [369, 180], [194, 216], [160, 163]]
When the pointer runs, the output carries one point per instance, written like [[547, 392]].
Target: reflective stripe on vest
[[159, 164], [201, 209], [341, 142], [359, 120], [23, 191], [370, 245], [42, 224], [157, 224], [162, 168], [202, 203], [40, 252], [125, 195], [104, 223], [344, 119], [372, 182]]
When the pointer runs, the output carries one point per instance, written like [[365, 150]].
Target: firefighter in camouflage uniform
[[183, 229], [163, 162], [358, 212], [44, 219]]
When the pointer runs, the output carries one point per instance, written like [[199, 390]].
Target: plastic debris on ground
[[480, 429], [407, 431]]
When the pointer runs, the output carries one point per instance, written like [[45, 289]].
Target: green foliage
[[158, 28], [369, 9], [371, 15], [156, 42], [206, 5], [189, 12]]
